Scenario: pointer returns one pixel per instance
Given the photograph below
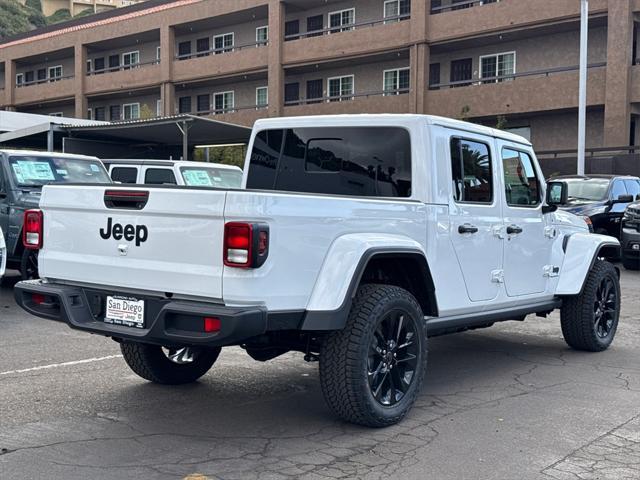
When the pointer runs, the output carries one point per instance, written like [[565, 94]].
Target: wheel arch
[[581, 252], [405, 266]]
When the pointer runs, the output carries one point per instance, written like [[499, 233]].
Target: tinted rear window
[[359, 161], [124, 174]]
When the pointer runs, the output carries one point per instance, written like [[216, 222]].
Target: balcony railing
[[219, 111], [218, 51], [510, 77], [345, 98], [44, 80], [119, 68], [450, 5], [342, 28]]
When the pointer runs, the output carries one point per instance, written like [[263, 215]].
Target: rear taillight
[[32, 230], [246, 245]]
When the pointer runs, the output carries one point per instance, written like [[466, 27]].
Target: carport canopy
[[186, 130]]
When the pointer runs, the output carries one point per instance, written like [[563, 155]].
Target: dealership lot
[[512, 401]]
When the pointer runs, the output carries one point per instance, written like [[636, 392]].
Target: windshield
[[211, 177], [35, 171], [594, 189]]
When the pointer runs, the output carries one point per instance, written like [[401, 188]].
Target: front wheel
[[29, 265], [372, 370], [589, 320], [169, 366]]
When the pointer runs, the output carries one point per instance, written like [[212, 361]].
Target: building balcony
[[44, 90], [371, 102], [356, 39], [461, 19], [525, 92], [220, 62], [119, 78]]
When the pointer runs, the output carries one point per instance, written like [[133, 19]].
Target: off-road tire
[[151, 363], [631, 263], [344, 358], [577, 316]]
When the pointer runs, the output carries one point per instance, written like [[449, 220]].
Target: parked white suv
[[356, 238], [174, 172]]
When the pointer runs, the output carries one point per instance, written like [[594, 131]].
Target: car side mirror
[[557, 193], [622, 199]]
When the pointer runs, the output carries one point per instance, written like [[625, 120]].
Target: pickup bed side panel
[[181, 254], [581, 250], [302, 230]]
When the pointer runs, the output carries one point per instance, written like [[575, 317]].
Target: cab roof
[[386, 119], [39, 153]]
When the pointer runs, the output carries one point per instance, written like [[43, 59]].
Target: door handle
[[467, 228], [514, 229]]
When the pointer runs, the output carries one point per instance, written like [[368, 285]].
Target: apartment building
[[507, 62]]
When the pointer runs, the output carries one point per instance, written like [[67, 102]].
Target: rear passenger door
[[528, 241], [476, 213]]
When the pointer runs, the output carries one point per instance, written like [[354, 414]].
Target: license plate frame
[[125, 311]]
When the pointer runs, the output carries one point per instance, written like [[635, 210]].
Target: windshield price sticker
[[33, 171], [197, 178]]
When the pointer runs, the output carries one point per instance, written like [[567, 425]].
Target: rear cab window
[[159, 176], [211, 177], [36, 171], [354, 161], [124, 174]]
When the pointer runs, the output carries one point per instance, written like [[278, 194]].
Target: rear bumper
[[167, 322]]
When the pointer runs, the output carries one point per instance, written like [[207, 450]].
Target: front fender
[[581, 251], [345, 258]]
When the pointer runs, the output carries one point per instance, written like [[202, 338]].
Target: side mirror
[[622, 199], [557, 193]]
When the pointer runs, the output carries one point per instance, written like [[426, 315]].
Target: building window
[[115, 113], [262, 35], [158, 52], [98, 65], [262, 97], [88, 66], [159, 108], [434, 76], [291, 30], [340, 88], [314, 90], [56, 114], [461, 70], [114, 62], [396, 81], [55, 73], [184, 50], [184, 105], [203, 103], [19, 79], [342, 20], [131, 111], [291, 92], [500, 65], [396, 10], [130, 59], [29, 77], [315, 25], [89, 114], [223, 102], [99, 114], [41, 74], [202, 47], [223, 43]]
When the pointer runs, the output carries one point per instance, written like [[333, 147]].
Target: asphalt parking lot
[[508, 402]]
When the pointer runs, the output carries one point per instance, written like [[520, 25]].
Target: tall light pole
[[582, 93]]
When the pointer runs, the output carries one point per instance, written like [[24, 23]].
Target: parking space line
[[57, 365]]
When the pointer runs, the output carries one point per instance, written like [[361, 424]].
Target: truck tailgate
[[172, 244]]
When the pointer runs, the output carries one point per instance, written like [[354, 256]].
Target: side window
[[159, 176], [521, 183], [633, 188], [472, 171], [618, 189], [124, 174], [265, 155]]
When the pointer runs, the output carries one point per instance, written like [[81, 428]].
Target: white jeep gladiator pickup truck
[[353, 239]]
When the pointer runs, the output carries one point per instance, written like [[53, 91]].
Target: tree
[[501, 122], [34, 4], [61, 15], [146, 112], [14, 18]]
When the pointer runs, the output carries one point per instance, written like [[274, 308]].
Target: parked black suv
[[630, 237], [602, 198]]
